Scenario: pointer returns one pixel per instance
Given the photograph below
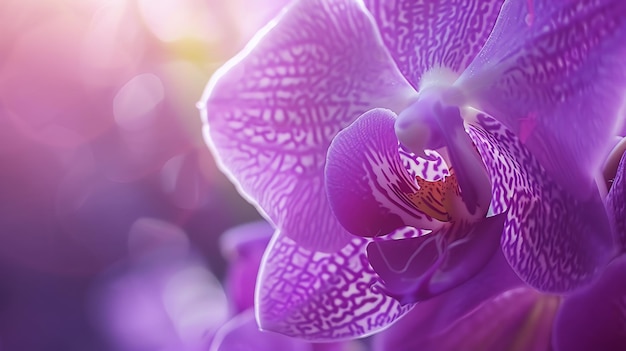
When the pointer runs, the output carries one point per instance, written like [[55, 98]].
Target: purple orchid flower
[[504, 92]]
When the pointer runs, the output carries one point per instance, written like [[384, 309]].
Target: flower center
[[434, 122], [436, 198]]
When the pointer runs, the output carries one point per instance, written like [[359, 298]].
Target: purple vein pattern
[[430, 168], [427, 34], [552, 240], [273, 114], [378, 202], [558, 81], [324, 296]]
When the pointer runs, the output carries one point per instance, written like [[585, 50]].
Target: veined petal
[[272, 111], [423, 267], [554, 73], [368, 186], [320, 296], [440, 35], [595, 318], [432, 321], [242, 333], [432, 167], [616, 204], [552, 240]]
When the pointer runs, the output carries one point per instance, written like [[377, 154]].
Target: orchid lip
[[435, 262]]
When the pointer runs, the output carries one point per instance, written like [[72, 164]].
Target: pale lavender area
[[98, 132]]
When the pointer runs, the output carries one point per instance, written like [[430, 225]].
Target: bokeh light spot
[[196, 303], [150, 234], [136, 99], [171, 20]]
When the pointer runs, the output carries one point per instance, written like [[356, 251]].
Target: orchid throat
[[435, 122]]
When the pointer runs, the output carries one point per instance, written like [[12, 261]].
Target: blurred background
[[111, 206]]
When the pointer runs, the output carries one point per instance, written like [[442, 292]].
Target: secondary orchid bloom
[[594, 317], [164, 297], [506, 107], [517, 319], [243, 246]]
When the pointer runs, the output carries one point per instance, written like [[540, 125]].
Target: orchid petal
[[352, 345], [518, 319], [319, 296], [431, 167], [595, 318], [368, 186], [420, 268], [272, 111], [429, 35], [241, 333], [616, 204], [553, 241], [554, 73], [431, 321]]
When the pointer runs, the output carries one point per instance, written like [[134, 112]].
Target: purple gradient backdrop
[[103, 170]]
